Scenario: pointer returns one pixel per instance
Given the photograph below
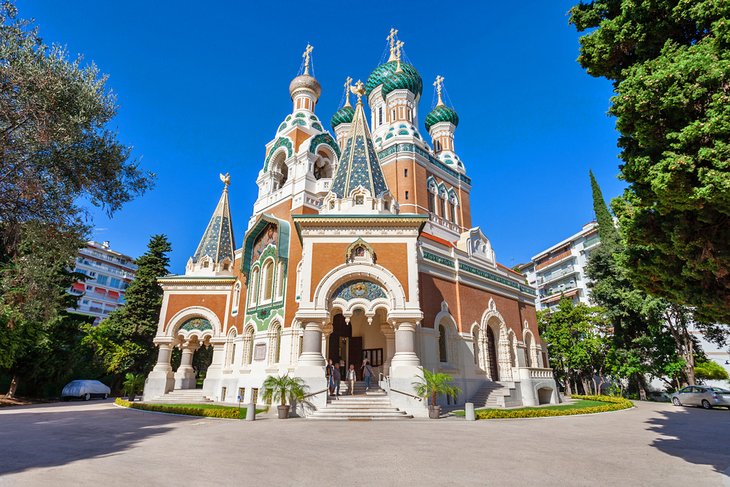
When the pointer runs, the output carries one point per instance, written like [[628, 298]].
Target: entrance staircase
[[183, 396], [373, 404], [494, 395]]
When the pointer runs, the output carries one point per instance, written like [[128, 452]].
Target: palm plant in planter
[[281, 388], [431, 385], [132, 385]]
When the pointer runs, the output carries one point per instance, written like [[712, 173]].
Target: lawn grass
[[208, 410], [581, 405]]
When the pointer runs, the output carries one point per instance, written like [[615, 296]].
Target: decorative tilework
[[408, 147], [359, 289], [196, 324], [438, 259], [217, 243], [280, 142], [359, 165], [385, 74], [441, 113], [324, 138], [317, 126]]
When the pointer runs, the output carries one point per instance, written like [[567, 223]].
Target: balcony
[[557, 274], [434, 218], [554, 259]]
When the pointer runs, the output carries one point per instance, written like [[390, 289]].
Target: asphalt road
[[97, 443]]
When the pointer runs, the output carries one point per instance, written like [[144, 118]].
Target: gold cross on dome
[[398, 49], [359, 90], [439, 83], [391, 40], [307, 57], [348, 83]]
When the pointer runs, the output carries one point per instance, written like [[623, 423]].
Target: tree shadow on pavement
[[48, 437], [696, 435]]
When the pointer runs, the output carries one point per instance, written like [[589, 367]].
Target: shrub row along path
[[97, 443]]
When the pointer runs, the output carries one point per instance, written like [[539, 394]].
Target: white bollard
[[251, 412], [469, 411]]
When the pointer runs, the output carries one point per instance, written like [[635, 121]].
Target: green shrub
[[228, 413], [611, 404]]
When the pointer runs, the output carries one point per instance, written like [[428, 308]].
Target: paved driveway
[[100, 444]]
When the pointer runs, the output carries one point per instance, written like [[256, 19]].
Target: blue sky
[[203, 86]]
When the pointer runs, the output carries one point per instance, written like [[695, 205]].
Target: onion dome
[[343, 115], [305, 81], [388, 75], [441, 113]]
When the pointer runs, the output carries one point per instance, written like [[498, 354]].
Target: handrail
[[315, 393], [406, 394]]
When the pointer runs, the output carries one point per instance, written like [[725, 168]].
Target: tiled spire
[[359, 165], [217, 243]]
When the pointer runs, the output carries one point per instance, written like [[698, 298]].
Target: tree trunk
[[640, 385], [689, 368], [13, 387]]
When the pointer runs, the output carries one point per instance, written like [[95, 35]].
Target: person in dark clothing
[[337, 378]]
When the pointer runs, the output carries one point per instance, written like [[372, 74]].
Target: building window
[[442, 344], [359, 199], [443, 208], [405, 173], [102, 280], [406, 194], [280, 280], [453, 212], [236, 298], [253, 284], [431, 202], [380, 116], [267, 279], [248, 346]]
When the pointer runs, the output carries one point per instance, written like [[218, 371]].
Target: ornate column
[[505, 364], [389, 347], [161, 380], [405, 345], [215, 369], [312, 345], [185, 375]]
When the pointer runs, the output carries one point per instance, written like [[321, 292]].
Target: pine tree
[[124, 341]]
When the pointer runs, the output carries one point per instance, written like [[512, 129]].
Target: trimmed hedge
[[228, 413], [611, 404]]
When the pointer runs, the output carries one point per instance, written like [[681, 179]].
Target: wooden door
[[355, 354]]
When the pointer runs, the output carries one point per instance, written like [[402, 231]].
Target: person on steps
[[337, 379], [367, 373], [351, 378], [329, 373]]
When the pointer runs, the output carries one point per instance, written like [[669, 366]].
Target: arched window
[[442, 203], [431, 202], [275, 344], [437, 145], [452, 206], [267, 280], [492, 355], [475, 340], [380, 116], [253, 288], [236, 298], [323, 166], [279, 171], [280, 280], [248, 346], [442, 344]]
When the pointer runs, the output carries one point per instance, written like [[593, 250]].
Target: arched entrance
[[357, 338], [492, 355]]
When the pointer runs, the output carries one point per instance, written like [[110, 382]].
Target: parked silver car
[[705, 396], [85, 389]]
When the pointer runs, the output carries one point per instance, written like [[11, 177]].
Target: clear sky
[[203, 86]]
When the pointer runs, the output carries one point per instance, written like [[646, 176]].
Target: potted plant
[[430, 386], [281, 388], [132, 385]]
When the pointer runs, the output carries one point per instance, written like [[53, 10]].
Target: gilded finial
[[439, 84], [226, 180], [392, 40], [348, 84], [307, 58], [398, 49], [359, 90]]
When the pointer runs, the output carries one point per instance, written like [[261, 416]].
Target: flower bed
[[609, 404], [209, 411]]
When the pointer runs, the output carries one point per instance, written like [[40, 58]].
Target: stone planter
[[434, 412], [283, 411]]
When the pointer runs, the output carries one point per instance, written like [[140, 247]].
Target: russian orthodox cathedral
[[360, 246]]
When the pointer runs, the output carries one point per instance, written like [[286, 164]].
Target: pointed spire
[[217, 243], [359, 165]]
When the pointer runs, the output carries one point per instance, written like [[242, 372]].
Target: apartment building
[[560, 269], [108, 274]]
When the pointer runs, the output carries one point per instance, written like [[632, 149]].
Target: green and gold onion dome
[[343, 115], [385, 74], [441, 113]]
